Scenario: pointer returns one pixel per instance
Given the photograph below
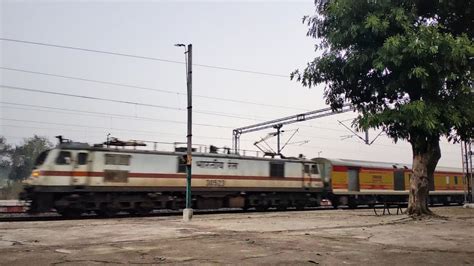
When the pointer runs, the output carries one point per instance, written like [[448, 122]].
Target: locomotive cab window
[[314, 169], [306, 169], [82, 158], [41, 158], [277, 169], [64, 158]]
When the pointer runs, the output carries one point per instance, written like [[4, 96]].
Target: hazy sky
[[265, 36]]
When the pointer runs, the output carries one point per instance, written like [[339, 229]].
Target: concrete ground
[[330, 237]]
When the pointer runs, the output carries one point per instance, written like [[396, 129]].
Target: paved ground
[[331, 237]]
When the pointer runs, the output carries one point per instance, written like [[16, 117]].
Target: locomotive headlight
[[35, 173]]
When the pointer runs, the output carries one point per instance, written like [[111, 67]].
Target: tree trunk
[[426, 154]]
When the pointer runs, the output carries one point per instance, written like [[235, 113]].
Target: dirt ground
[[330, 237]]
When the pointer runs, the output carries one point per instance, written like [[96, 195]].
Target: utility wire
[[108, 115], [91, 97], [98, 127], [143, 57], [123, 102], [153, 133], [150, 89], [100, 114], [147, 105]]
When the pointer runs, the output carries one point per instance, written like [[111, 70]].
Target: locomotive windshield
[[41, 158]]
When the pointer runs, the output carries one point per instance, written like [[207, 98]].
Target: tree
[[5, 162], [406, 66], [23, 157], [5, 151]]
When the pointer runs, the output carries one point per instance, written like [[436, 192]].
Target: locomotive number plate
[[215, 182]]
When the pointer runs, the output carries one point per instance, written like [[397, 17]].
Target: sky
[[267, 37]]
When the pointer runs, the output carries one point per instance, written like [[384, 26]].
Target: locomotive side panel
[[163, 172]]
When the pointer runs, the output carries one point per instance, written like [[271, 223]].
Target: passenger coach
[[355, 182]]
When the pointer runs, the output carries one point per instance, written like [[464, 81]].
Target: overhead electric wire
[[91, 97], [87, 132], [101, 114], [151, 89], [106, 128], [108, 115], [142, 57], [123, 102], [148, 105], [152, 133]]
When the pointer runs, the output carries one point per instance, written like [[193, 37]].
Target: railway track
[[15, 215], [53, 216]]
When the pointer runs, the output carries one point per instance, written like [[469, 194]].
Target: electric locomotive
[[75, 178]]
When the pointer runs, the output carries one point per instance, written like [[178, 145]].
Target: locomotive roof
[[85, 146], [372, 164], [339, 162]]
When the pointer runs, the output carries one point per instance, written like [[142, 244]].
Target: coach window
[[64, 158], [455, 180], [277, 169], [82, 158]]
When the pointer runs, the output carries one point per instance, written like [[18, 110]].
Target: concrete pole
[[188, 211]]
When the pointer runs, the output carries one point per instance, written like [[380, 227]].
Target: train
[[75, 178]]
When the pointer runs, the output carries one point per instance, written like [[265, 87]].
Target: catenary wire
[[142, 57], [154, 132], [107, 115], [118, 130], [106, 128], [152, 89], [125, 102], [102, 114]]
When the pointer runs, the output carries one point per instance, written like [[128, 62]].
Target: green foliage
[[20, 159], [406, 66], [11, 191], [4, 154]]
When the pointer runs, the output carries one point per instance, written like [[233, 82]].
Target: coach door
[[353, 180], [310, 175], [399, 180], [81, 170]]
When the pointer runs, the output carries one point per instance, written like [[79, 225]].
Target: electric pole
[[188, 211]]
